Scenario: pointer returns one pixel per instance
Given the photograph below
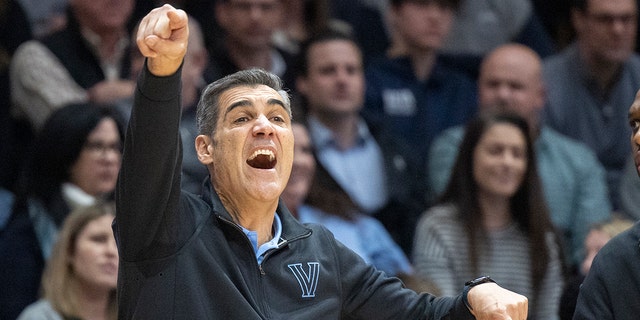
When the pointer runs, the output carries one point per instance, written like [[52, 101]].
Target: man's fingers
[[158, 28]]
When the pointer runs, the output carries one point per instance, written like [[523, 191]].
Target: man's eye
[[278, 119], [241, 119]]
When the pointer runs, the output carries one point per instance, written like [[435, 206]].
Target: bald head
[[510, 80]]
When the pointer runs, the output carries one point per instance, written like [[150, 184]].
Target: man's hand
[[162, 38], [492, 302]]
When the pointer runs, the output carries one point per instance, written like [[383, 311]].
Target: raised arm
[[148, 221], [162, 38]]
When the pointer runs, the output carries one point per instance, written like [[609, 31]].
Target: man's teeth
[[263, 152]]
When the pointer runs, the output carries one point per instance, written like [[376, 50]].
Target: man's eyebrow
[[245, 103], [279, 102], [237, 104]]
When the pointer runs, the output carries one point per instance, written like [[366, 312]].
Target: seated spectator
[[592, 82], [359, 232], [573, 179], [599, 234], [87, 61], [409, 89], [358, 158], [482, 25], [74, 162], [492, 219], [248, 28], [79, 281]]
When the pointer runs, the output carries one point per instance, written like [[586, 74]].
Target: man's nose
[[262, 126]]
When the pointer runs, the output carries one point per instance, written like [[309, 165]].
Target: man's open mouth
[[262, 159]]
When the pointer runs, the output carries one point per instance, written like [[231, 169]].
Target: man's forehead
[[249, 92]]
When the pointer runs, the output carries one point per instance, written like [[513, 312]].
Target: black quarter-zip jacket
[[182, 256]]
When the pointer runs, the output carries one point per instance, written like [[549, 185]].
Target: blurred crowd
[[438, 139]]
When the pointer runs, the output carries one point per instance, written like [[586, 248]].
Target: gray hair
[[208, 106]]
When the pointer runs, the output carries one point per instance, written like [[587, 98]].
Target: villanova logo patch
[[307, 279]]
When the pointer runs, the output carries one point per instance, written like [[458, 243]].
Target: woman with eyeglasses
[[73, 162]]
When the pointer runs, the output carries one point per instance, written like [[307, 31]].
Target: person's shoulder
[[560, 57], [623, 246], [571, 147], [39, 310], [440, 214], [634, 62], [451, 135]]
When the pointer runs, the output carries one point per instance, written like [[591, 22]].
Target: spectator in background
[[359, 232], [492, 219], [74, 162], [87, 61], [573, 180], [79, 281], [591, 83], [249, 27], [599, 234], [367, 164], [482, 25], [410, 90]]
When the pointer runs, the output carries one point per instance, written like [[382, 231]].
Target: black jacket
[[611, 290], [182, 256]]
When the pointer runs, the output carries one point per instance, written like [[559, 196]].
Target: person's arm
[[430, 253], [148, 191], [592, 205], [442, 155], [40, 83]]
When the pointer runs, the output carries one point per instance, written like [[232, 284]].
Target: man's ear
[[204, 149]]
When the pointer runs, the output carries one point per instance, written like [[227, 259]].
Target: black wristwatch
[[472, 283]]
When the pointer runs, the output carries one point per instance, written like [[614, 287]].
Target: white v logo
[[308, 281]]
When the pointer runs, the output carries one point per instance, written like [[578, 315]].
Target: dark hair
[[208, 107], [528, 206], [329, 34], [453, 4], [57, 147], [580, 5]]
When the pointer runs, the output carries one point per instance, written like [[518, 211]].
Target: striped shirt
[[441, 254]]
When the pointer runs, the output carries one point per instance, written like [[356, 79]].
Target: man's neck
[[343, 126], [252, 215], [496, 211], [422, 63], [604, 73]]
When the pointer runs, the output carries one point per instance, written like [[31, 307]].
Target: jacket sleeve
[[370, 294], [148, 189]]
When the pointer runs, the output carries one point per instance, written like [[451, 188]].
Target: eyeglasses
[[100, 149], [610, 19]]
